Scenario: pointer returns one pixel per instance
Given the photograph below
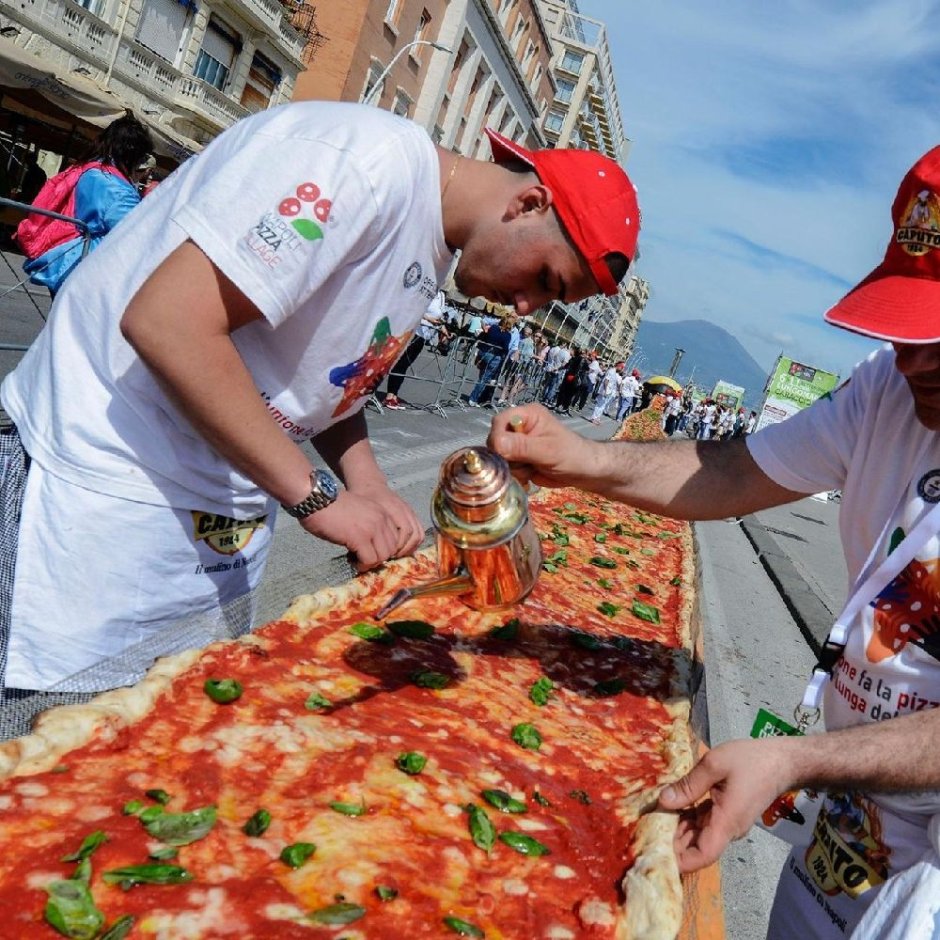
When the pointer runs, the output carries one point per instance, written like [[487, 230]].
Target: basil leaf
[[463, 927], [89, 844], [559, 558], [504, 802], [150, 874], [427, 679], [150, 814], [71, 910], [541, 690], [620, 550], [523, 844], [605, 607], [162, 855], [644, 589], [372, 633], [411, 629], [527, 736], [317, 701], [343, 913], [551, 569], [158, 796], [578, 517], [570, 506], [411, 762], [645, 611], [508, 631], [676, 581], [601, 562], [119, 929], [585, 640], [581, 796], [181, 828], [83, 871], [667, 535], [608, 687], [257, 824], [385, 893], [295, 854], [645, 519], [605, 583], [600, 538], [647, 551], [541, 800], [222, 691], [482, 830], [132, 808], [349, 809]]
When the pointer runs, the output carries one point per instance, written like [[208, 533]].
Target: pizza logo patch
[[847, 854], [361, 378], [280, 234], [412, 275], [919, 230], [907, 610], [224, 535]]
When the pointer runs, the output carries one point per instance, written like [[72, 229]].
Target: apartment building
[[454, 66], [190, 68]]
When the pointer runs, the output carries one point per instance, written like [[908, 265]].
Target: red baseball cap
[[593, 197], [900, 300]]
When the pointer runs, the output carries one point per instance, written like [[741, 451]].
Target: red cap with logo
[[900, 300], [593, 197]]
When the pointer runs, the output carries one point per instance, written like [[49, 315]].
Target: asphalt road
[[768, 584]]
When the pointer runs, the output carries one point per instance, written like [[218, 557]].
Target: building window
[[505, 8], [553, 121], [375, 72], [462, 54], [517, 31], [263, 78], [92, 6], [564, 91], [220, 46], [527, 58], [402, 105], [392, 13], [161, 27], [572, 61], [421, 35]]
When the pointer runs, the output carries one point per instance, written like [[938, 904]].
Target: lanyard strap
[[831, 652]]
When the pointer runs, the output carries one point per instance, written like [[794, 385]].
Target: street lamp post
[[376, 89]]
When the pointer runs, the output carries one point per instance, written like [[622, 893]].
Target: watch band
[[317, 499]]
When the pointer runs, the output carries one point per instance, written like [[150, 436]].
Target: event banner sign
[[792, 387]]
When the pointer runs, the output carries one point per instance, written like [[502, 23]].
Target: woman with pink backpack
[[99, 192]]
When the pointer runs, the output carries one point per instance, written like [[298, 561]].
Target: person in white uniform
[[253, 302], [869, 866]]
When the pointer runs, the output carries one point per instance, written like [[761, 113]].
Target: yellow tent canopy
[[663, 380]]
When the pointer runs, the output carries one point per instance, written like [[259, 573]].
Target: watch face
[[327, 485]]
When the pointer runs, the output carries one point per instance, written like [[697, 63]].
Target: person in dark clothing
[[494, 347], [585, 384], [569, 384]]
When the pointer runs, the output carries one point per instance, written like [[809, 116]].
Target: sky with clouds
[[768, 142]]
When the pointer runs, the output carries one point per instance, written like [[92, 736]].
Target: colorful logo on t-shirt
[[907, 610], [222, 534], [919, 230], [281, 233], [847, 853], [361, 378]]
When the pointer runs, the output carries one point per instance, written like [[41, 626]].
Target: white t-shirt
[[629, 386], [327, 216], [866, 440], [610, 382]]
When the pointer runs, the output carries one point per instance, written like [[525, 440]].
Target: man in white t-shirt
[[252, 302], [877, 440]]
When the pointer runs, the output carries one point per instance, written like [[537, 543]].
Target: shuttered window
[[217, 54], [161, 27]]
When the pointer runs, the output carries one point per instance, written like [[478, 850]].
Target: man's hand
[[540, 448], [367, 528], [406, 522], [742, 779]]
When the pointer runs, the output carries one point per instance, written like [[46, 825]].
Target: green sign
[[794, 386]]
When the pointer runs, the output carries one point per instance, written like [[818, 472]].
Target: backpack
[[37, 234]]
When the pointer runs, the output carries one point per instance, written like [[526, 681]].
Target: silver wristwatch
[[323, 491]]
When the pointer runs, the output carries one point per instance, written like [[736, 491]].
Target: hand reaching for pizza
[[540, 448], [740, 779], [373, 531], [403, 517]]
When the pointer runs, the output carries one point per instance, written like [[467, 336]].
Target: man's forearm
[[895, 755], [345, 447], [684, 479]]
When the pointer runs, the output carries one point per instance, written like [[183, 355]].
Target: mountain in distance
[[710, 350]]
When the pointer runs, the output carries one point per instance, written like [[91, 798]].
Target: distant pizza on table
[[330, 775]]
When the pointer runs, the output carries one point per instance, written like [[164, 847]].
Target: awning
[[28, 85]]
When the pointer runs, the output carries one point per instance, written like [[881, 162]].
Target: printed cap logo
[[412, 275], [224, 535], [919, 230]]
